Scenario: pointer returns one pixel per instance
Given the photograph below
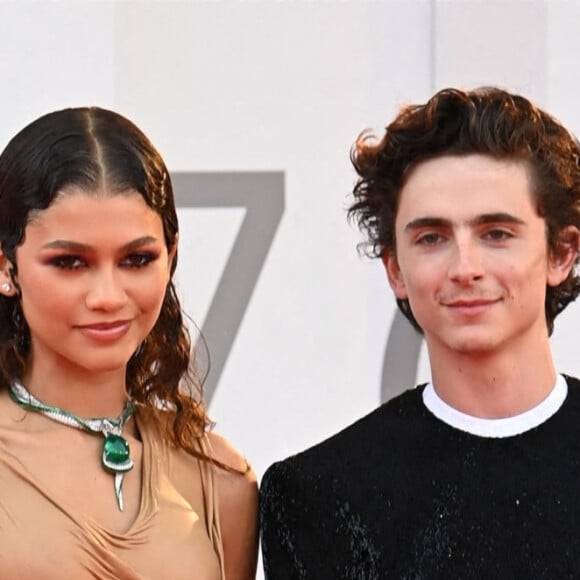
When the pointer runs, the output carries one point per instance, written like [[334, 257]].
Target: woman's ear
[[394, 275], [7, 287], [563, 260]]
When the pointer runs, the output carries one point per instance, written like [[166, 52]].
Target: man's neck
[[493, 385]]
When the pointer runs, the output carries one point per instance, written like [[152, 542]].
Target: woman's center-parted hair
[[98, 151], [488, 121]]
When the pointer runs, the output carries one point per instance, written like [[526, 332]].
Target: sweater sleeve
[[293, 526]]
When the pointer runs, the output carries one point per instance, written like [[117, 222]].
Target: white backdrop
[[285, 86]]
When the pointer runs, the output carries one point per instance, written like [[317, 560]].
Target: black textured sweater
[[401, 494]]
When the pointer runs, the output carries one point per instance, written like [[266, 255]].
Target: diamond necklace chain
[[116, 456]]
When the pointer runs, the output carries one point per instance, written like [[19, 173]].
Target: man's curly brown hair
[[488, 121]]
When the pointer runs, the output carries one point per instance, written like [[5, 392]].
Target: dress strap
[[210, 498]]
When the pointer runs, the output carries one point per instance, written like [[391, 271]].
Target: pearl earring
[[6, 287]]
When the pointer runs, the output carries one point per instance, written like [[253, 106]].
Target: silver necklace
[[116, 455]]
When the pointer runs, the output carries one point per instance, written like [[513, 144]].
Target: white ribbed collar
[[506, 427]]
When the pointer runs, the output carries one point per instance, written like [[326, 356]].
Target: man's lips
[[471, 302], [471, 307]]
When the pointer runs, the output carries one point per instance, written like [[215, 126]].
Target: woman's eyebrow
[[79, 247]]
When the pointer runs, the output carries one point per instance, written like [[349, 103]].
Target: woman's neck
[[86, 394]]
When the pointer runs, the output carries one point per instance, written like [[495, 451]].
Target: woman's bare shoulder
[[224, 452], [237, 492]]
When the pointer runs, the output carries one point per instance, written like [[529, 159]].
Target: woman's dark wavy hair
[[95, 149], [487, 121]]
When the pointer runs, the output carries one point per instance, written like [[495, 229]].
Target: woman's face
[[92, 271]]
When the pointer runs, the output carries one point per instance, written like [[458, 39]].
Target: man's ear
[[563, 260], [7, 287], [394, 275]]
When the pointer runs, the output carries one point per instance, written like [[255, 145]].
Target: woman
[[107, 468]]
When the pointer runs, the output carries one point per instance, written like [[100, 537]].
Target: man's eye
[[68, 262], [429, 239], [497, 235]]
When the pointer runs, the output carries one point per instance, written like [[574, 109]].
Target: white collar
[[506, 427]]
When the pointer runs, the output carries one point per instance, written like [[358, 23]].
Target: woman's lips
[[105, 331]]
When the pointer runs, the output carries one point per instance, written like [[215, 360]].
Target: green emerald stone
[[116, 454]]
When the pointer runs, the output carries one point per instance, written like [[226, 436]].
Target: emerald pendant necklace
[[116, 456]]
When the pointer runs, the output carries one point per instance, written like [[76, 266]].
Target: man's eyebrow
[[498, 217], [486, 218], [72, 246], [428, 222]]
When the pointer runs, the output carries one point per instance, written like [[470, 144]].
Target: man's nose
[[466, 262]]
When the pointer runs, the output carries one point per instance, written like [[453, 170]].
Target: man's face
[[472, 255]]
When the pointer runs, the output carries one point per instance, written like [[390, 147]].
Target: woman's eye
[[68, 262], [139, 260]]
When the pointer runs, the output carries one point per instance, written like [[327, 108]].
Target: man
[[472, 202]]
